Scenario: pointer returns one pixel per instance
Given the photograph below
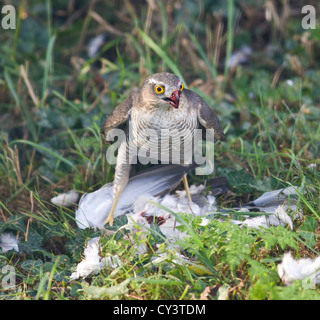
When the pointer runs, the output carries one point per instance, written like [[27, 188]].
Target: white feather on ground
[[94, 45], [136, 204], [8, 241], [66, 199], [92, 263], [280, 217], [291, 269], [274, 203]]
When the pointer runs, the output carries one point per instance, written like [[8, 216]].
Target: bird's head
[[162, 89]]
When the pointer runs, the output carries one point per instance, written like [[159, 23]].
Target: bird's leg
[[121, 178], [114, 203], [186, 186]]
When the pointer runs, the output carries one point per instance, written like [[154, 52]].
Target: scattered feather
[[291, 269], [8, 241], [140, 203], [280, 217], [94, 45], [149, 212], [239, 57], [92, 263], [289, 82], [193, 190], [275, 197], [66, 199]]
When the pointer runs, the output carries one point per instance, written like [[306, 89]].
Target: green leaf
[[32, 244], [157, 236], [307, 230], [96, 292], [33, 266], [15, 223]]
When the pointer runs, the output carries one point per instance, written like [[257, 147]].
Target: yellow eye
[[159, 89], [181, 87]]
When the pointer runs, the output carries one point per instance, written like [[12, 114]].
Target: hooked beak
[[174, 99]]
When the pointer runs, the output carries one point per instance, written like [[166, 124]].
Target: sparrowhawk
[[160, 109]]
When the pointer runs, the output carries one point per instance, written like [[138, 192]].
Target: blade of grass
[[182, 221], [5, 208], [17, 31], [258, 152], [196, 43], [20, 189], [47, 69], [170, 64], [46, 296], [306, 202], [122, 69], [273, 147], [47, 150], [41, 286], [65, 100], [49, 14], [164, 26], [167, 282], [77, 145], [23, 110], [201, 254], [230, 24]]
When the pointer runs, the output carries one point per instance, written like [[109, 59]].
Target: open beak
[[174, 99]]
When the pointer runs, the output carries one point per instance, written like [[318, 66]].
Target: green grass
[[50, 118]]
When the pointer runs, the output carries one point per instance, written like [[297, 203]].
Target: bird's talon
[[110, 220]]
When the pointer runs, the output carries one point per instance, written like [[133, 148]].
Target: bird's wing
[[209, 120], [119, 116], [155, 181], [206, 116]]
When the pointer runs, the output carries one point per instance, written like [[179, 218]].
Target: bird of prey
[[161, 106]]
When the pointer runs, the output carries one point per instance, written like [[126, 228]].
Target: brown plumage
[[160, 104]]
